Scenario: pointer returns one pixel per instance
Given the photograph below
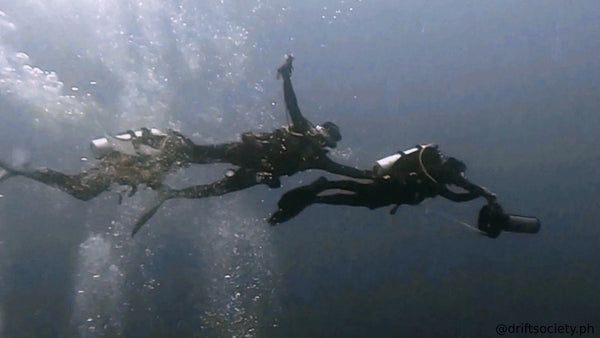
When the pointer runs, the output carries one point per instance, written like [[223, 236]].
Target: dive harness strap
[[421, 151], [423, 166]]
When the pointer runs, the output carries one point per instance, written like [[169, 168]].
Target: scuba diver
[[262, 158], [407, 177], [133, 158]]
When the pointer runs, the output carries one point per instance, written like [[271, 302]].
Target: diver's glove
[[489, 196], [287, 68]]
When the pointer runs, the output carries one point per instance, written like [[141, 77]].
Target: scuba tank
[[403, 163], [122, 143], [492, 220]]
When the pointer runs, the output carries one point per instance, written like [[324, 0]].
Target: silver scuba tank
[[121, 143], [382, 167]]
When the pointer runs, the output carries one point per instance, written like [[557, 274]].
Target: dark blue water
[[512, 88]]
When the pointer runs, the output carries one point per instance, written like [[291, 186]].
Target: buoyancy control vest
[[283, 144], [418, 160]]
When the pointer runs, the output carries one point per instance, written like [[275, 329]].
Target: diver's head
[[452, 167], [330, 133]]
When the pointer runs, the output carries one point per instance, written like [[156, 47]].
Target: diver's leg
[[241, 179], [296, 200], [322, 184], [83, 186], [210, 153], [354, 200], [217, 153], [347, 185], [306, 194]]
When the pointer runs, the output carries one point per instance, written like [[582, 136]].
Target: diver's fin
[[291, 211], [291, 204], [165, 194], [146, 216], [132, 191]]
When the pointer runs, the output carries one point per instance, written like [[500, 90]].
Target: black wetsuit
[[395, 189]]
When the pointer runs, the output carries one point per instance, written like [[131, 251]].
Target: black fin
[[145, 217], [291, 204], [165, 194]]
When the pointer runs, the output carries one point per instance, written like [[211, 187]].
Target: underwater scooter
[[493, 220]]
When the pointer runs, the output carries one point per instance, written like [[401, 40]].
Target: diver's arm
[[329, 165], [457, 197], [299, 123], [473, 189]]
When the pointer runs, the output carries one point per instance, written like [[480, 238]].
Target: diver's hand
[[371, 175], [489, 196], [286, 69]]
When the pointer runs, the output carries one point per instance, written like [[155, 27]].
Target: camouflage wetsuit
[[154, 157]]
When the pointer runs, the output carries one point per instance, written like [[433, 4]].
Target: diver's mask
[[330, 133]]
